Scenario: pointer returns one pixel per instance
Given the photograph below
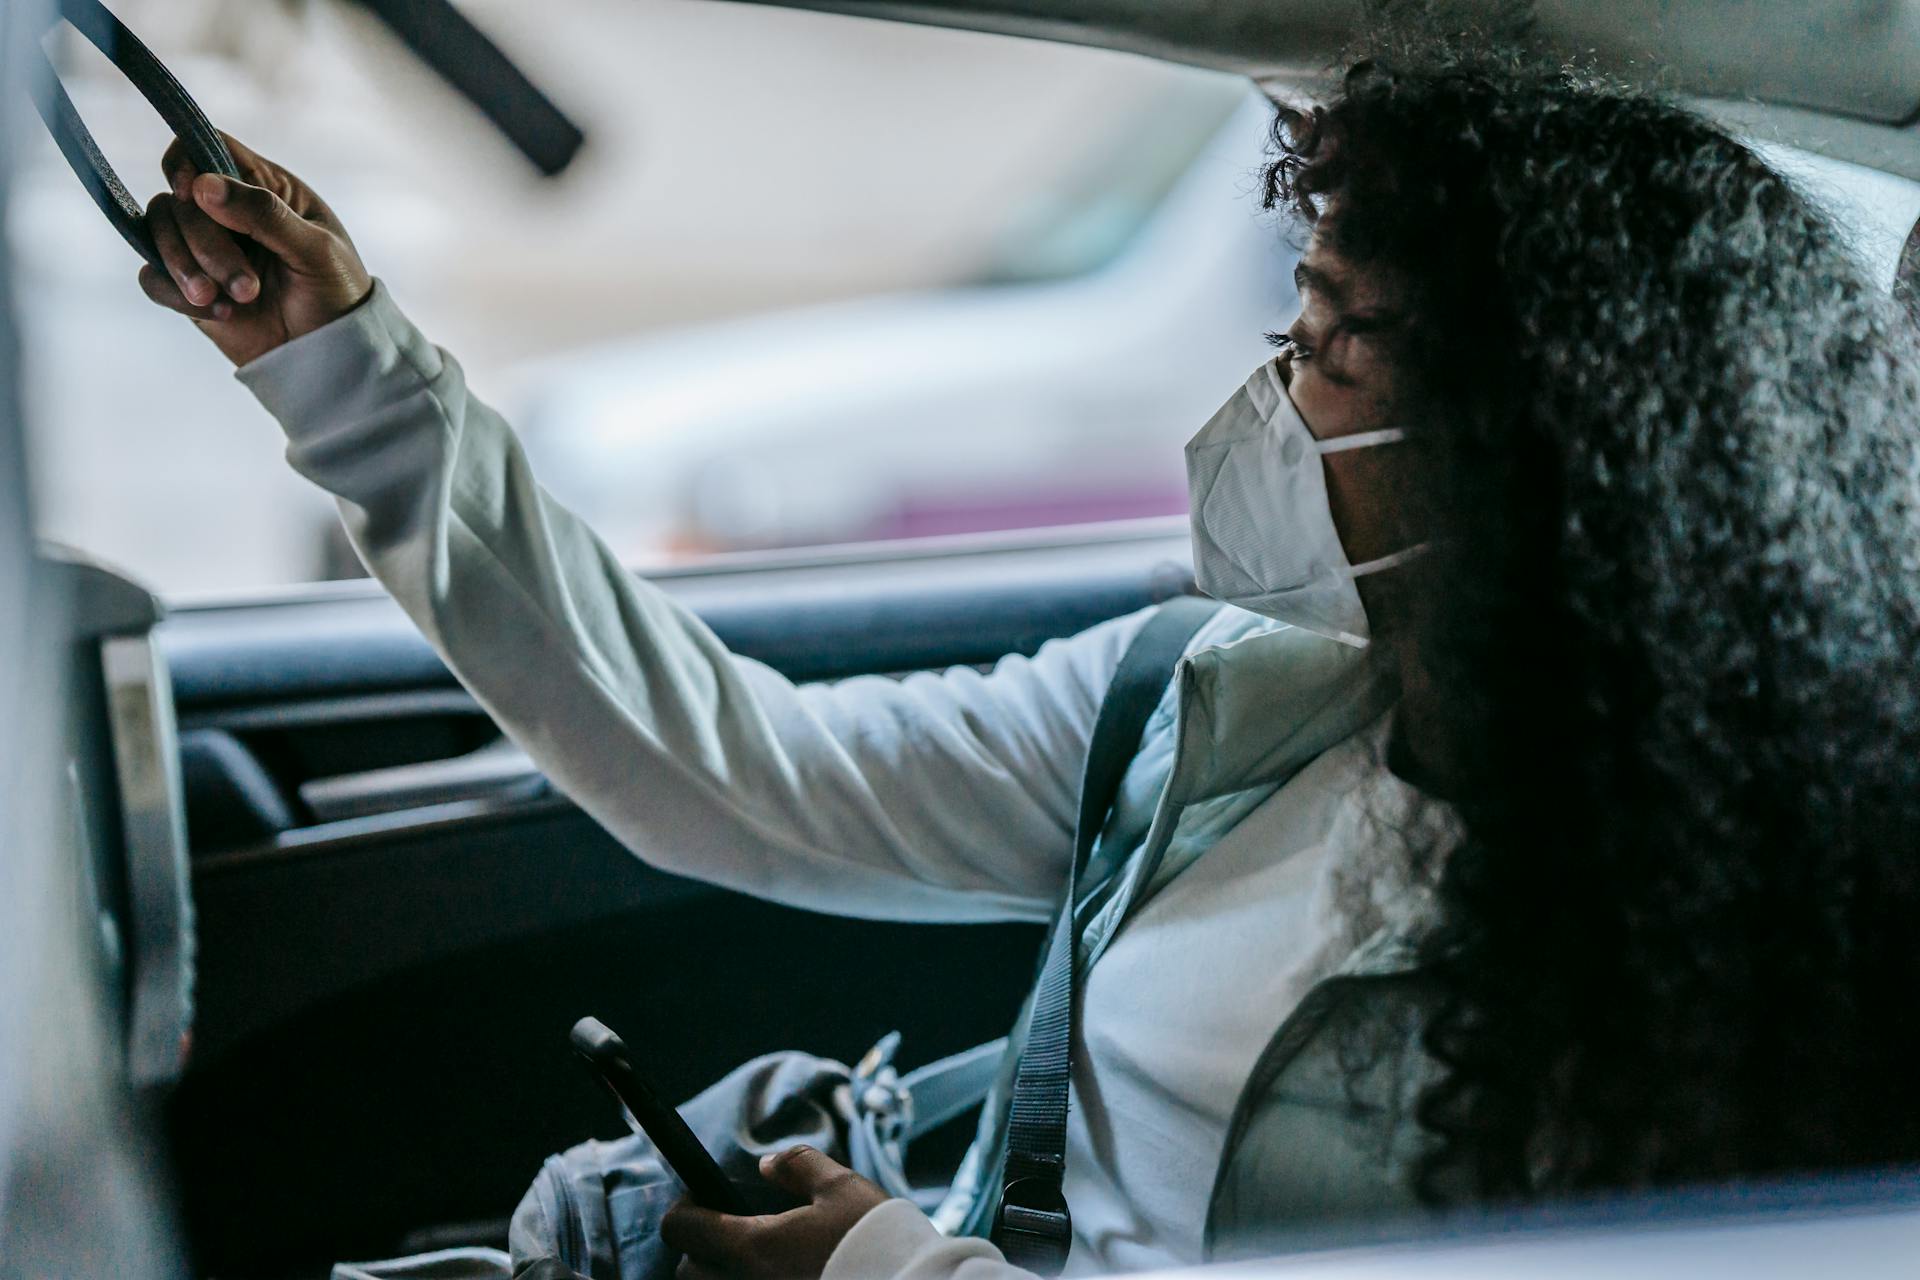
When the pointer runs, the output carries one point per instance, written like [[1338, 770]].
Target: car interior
[[340, 925], [398, 919]]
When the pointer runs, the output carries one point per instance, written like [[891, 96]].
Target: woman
[[1618, 895]]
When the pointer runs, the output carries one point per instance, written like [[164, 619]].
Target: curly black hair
[[1670, 621]]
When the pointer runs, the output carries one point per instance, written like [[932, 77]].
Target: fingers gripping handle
[[157, 85]]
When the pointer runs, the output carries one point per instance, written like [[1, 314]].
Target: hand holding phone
[[707, 1185]]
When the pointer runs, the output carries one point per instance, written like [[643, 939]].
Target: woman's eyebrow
[[1364, 322], [1308, 279]]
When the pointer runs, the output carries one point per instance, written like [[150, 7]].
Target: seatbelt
[[481, 72], [156, 84], [891, 1109], [1033, 1226]]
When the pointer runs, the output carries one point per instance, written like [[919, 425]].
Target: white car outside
[[991, 406], [995, 406]]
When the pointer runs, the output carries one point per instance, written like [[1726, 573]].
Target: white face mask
[[1263, 534]]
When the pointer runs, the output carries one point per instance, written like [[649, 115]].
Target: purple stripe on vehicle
[[933, 519]]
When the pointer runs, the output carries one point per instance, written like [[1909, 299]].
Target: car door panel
[[399, 917]]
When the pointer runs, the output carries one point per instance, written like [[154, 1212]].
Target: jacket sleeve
[[895, 1241], [946, 796]]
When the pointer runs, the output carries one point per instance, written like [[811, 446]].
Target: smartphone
[[607, 1054]]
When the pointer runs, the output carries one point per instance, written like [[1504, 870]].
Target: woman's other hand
[[255, 262], [783, 1246]]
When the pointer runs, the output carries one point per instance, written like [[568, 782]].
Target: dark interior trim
[[818, 620]]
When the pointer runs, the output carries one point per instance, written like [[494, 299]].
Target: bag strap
[[891, 1109], [1032, 1225]]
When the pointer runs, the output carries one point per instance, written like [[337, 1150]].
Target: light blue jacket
[[1311, 1142], [947, 796]]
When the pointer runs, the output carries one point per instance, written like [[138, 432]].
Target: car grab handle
[[190, 125]]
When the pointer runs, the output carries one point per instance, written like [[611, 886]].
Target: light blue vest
[[1251, 704]]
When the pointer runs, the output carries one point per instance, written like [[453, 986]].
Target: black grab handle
[[157, 85]]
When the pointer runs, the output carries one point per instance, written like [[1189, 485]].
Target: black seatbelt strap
[[156, 84], [477, 68], [1033, 1226]]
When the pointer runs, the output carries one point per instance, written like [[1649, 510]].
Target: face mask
[[1263, 534]]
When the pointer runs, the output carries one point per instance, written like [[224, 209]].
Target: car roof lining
[[1837, 77]]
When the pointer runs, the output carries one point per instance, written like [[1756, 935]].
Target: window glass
[[813, 279]]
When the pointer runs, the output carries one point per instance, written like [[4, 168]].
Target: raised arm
[[941, 796]]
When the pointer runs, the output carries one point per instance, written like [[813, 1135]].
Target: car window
[[812, 279]]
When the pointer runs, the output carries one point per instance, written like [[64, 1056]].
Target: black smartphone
[[607, 1054]]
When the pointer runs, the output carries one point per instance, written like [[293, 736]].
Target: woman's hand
[[255, 263], [783, 1246]]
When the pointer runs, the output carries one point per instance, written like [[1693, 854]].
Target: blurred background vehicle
[[1058, 389], [812, 280], [909, 272]]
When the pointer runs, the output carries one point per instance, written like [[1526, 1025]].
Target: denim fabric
[[596, 1208]]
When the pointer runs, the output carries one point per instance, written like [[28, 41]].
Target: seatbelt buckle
[[879, 1095], [1034, 1228]]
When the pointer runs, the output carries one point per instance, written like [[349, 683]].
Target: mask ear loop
[[1384, 563], [1361, 440]]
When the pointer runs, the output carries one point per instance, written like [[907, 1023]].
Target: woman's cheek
[[1320, 405], [1358, 496]]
